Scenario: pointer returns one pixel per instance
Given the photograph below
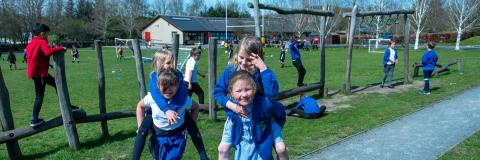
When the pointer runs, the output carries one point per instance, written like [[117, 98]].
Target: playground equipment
[[442, 68], [353, 16], [320, 86]]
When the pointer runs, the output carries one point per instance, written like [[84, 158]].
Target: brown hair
[[195, 50], [241, 75], [431, 45], [390, 42], [251, 45], [167, 77], [159, 59]]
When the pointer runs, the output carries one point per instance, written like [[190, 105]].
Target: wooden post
[[256, 17], [101, 86], [175, 46], [6, 119], [407, 77], [212, 77], [347, 84], [323, 37], [64, 100], [139, 66]]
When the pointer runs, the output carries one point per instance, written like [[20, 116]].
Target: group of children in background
[[254, 122]]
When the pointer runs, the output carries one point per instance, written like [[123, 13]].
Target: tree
[[234, 11], [422, 8], [103, 13], [196, 7], [131, 13], [177, 7], [463, 16], [161, 6]]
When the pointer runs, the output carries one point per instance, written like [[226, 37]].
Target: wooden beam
[[175, 48], [407, 78], [323, 37], [6, 119], [139, 67], [294, 11], [256, 17], [212, 77], [80, 117], [347, 84], [101, 86], [64, 100], [379, 13], [296, 91]]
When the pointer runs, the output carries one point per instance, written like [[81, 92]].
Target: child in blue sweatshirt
[[390, 58], [248, 58], [308, 108], [169, 139], [162, 60], [295, 47], [254, 135], [429, 59]]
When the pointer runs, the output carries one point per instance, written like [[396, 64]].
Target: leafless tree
[[132, 10], [176, 7], [463, 16], [422, 8], [330, 22], [161, 6], [195, 7], [103, 14]]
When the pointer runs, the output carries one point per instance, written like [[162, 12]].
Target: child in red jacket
[[37, 67]]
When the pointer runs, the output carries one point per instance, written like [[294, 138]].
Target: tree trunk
[[459, 35], [417, 38]]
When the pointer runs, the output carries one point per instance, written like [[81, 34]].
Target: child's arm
[[48, 51], [221, 91], [140, 112]]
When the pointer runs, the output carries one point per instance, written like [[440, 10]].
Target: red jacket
[[39, 57]]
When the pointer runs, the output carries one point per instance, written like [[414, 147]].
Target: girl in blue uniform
[[248, 58], [254, 135], [162, 60]]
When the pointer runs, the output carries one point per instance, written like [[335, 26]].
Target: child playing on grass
[[283, 51], [191, 72], [120, 52], [169, 139], [308, 108], [38, 62], [75, 54], [429, 59], [12, 59], [295, 46], [162, 60], [390, 58], [248, 58], [254, 135]]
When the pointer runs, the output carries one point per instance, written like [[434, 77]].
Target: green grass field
[[472, 41], [301, 136]]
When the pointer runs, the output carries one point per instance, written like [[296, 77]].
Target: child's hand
[[172, 117], [240, 111], [258, 62]]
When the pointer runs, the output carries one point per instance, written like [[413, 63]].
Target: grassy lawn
[[468, 149], [301, 136], [472, 41]]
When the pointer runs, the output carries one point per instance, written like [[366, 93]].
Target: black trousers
[[388, 70], [301, 71], [302, 113], [40, 83], [198, 90], [147, 126], [426, 79]]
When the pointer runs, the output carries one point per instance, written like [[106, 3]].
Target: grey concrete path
[[423, 135]]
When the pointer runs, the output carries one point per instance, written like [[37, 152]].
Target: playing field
[[301, 136]]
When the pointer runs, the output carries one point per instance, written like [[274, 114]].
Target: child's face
[[242, 92], [393, 45], [168, 91], [196, 56], [244, 61], [168, 63]]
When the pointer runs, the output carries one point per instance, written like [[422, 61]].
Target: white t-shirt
[[160, 118], [392, 56], [191, 66]]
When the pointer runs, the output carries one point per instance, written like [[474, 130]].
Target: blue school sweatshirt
[[266, 81], [263, 111], [429, 59], [309, 104], [386, 56], [177, 101], [294, 51]]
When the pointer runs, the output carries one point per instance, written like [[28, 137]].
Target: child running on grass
[[254, 135], [248, 58], [38, 62], [75, 55], [191, 72], [169, 139], [162, 60], [12, 60]]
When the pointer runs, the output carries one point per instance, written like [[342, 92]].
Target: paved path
[[426, 134]]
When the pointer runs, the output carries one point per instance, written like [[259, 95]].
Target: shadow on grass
[[86, 145]]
